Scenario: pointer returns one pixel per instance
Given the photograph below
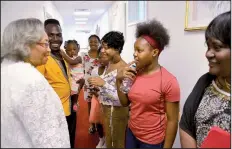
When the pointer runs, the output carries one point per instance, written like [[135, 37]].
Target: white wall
[[82, 38], [70, 33], [13, 10], [112, 19], [185, 56], [117, 17], [103, 23]]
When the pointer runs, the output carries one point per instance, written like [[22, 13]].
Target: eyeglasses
[[45, 45]]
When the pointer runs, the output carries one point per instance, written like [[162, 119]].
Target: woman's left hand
[[96, 81]]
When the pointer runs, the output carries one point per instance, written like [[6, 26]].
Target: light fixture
[[82, 13], [81, 19], [80, 22]]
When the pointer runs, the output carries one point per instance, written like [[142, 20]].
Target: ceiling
[[67, 8]]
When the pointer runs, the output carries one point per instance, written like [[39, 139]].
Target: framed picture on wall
[[199, 13]]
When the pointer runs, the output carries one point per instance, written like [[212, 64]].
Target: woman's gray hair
[[18, 36]]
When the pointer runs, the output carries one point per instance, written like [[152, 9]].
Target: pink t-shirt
[[147, 117]]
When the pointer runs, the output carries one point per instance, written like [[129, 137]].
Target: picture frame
[[198, 14]]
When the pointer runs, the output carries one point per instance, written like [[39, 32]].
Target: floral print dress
[[108, 93], [89, 64]]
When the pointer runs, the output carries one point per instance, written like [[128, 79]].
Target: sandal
[[92, 130]]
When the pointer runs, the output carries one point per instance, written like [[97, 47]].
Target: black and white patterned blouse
[[214, 110]]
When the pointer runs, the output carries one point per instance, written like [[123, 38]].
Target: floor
[[83, 138]]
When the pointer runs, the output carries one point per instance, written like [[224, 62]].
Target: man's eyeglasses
[[45, 45]]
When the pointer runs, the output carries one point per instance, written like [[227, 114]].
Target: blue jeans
[[133, 142]]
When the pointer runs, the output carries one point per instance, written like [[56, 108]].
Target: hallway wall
[[104, 23], [185, 55], [12, 10], [70, 33]]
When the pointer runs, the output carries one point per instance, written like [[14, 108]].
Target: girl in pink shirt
[[155, 94]]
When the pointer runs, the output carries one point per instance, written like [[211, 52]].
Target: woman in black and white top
[[208, 104]]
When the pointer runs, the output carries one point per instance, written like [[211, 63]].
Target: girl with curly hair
[[155, 94]]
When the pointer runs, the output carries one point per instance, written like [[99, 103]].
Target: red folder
[[217, 138]]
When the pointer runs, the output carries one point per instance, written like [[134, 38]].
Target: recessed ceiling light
[[80, 22], [81, 19], [82, 13]]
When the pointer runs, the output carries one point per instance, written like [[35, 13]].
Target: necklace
[[219, 84], [228, 86], [223, 86]]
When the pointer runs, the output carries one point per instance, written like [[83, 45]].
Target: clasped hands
[[94, 83]]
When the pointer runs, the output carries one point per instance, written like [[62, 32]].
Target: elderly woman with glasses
[[31, 112]]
